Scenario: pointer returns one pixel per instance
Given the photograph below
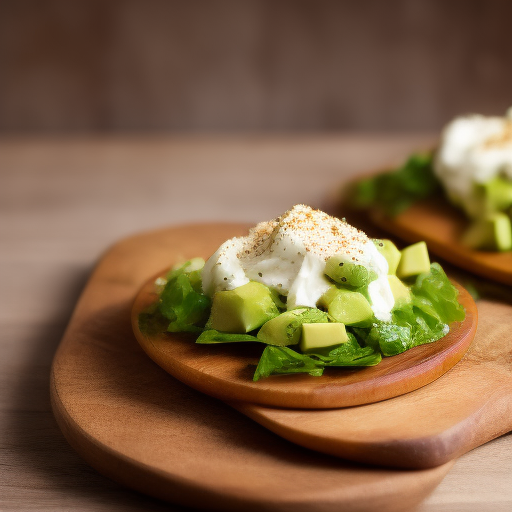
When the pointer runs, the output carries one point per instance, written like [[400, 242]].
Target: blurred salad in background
[[472, 166]]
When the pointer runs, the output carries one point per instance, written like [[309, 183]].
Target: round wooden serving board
[[441, 225], [225, 371], [135, 423]]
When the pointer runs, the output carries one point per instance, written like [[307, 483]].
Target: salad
[[315, 291], [473, 167]]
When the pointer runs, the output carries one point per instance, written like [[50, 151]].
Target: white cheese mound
[[473, 149], [288, 254]]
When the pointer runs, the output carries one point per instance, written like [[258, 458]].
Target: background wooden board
[[226, 371], [141, 427]]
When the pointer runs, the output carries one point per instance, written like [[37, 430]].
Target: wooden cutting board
[[225, 371], [138, 425]]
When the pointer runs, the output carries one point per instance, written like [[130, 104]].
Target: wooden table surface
[[65, 200]]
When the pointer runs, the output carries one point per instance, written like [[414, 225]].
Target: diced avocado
[[390, 251], [499, 194], [348, 307], [243, 309], [414, 261], [475, 204], [346, 273], [401, 292], [317, 336], [493, 232], [490, 197], [286, 328], [282, 330], [328, 296]]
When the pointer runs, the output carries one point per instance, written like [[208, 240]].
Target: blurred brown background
[[248, 65]]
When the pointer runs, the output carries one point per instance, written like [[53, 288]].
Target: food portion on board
[[315, 291], [471, 167]]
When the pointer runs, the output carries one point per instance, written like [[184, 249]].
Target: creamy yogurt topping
[[474, 149], [288, 254]]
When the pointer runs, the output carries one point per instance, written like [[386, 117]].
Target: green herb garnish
[[395, 191], [284, 360], [182, 301]]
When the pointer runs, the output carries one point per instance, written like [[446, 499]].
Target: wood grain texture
[[441, 226], [133, 422], [226, 371]]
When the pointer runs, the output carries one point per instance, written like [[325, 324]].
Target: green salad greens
[[488, 206], [341, 332], [398, 189]]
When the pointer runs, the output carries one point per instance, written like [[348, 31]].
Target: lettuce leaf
[[434, 286], [348, 354], [284, 360], [182, 302], [395, 191], [152, 322], [211, 336], [426, 319]]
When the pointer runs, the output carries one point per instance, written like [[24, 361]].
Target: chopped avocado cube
[[401, 292], [390, 251], [476, 203], [285, 329], [348, 307], [346, 273], [316, 336], [493, 232], [498, 193], [243, 309], [328, 296], [493, 196], [414, 261]]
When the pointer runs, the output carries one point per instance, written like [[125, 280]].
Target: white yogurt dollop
[[288, 254], [473, 149]]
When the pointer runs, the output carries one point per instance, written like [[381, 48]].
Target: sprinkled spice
[[288, 254], [319, 233]]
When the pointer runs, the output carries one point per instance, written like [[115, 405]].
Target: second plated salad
[[472, 165], [314, 290]]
